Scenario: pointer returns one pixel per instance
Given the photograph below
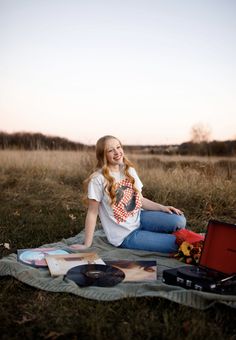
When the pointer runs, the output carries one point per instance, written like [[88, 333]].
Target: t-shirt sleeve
[[138, 183], [95, 189]]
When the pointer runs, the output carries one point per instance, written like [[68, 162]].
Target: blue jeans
[[154, 232]]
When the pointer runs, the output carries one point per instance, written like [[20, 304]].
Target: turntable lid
[[219, 250]]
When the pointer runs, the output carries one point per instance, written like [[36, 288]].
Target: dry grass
[[41, 202]]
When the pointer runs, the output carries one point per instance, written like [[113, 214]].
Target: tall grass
[[202, 191], [41, 202]]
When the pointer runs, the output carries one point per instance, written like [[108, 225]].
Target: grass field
[[41, 202]]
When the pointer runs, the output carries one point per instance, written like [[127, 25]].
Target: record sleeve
[[35, 257], [136, 270], [60, 264], [95, 275]]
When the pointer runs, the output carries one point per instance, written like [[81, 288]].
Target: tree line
[[39, 141], [36, 141], [204, 148]]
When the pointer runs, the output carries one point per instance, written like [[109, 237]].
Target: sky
[[145, 71]]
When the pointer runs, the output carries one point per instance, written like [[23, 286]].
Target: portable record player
[[216, 271]]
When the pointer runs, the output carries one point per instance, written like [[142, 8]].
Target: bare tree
[[200, 133]]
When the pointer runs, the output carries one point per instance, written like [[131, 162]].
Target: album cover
[[145, 270], [60, 264], [35, 257]]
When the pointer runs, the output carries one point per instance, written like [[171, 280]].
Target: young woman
[[129, 220]]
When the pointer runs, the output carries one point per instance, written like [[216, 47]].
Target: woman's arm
[[150, 205], [90, 224]]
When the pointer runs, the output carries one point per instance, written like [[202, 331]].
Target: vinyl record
[[95, 275]]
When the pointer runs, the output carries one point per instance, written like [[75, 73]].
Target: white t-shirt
[[123, 217]]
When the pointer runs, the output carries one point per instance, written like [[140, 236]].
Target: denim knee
[[180, 222]]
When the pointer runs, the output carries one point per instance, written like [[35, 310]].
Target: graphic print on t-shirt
[[127, 201]]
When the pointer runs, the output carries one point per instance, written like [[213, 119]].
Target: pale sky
[[144, 71]]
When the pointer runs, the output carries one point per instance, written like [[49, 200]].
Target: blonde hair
[[102, 166]]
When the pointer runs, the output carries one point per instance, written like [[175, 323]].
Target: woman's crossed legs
[[154, 233]]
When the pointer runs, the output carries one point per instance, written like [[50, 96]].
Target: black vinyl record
[[95, 275]]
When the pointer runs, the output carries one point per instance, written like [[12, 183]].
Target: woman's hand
[[169, 209], [78, 246]]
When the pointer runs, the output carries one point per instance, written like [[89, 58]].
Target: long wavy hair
[[102, 165]]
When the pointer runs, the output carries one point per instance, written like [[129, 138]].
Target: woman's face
[[114, 152]]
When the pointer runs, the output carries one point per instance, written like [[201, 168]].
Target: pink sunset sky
[[144, 71]]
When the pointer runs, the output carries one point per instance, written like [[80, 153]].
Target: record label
[[95, 275]]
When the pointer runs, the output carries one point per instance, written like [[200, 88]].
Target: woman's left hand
[[169, 209], [78, 246]]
